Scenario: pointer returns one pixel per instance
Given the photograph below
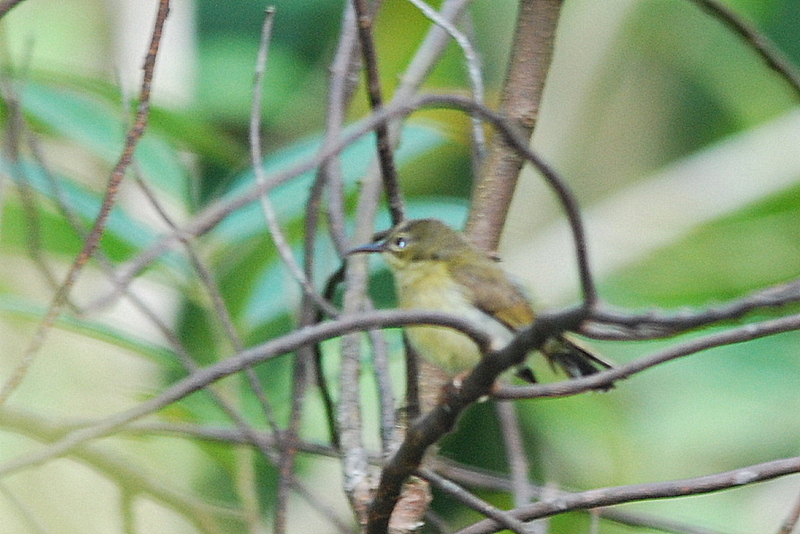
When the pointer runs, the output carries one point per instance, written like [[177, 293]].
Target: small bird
[[436, 268]]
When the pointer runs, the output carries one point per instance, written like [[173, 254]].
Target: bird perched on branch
[[436, 268]]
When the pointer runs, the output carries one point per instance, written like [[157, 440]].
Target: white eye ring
[[400, 243]]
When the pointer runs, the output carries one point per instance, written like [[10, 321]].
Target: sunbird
[[437, 268]]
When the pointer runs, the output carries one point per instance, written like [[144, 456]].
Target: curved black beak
[[371, 247], [377, 244]]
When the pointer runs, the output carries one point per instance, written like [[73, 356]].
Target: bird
[[436, 268]]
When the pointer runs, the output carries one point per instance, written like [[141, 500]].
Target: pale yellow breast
[[426, 285]]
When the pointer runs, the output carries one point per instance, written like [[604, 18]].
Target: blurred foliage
[[671, 82]]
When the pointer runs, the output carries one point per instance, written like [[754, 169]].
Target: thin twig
[[322, 383], [14, 132], [343, 80], [791, 521], [457, 492], [608, 323], [756, 40], [357, 483], [385, 156], [515, 452], [386, 397], [281, 244], [473, 71], [640, 492], [608, 377], [92, 240], [218, 304], [287, 453], [28, 517], [477, 478], [221, 312]]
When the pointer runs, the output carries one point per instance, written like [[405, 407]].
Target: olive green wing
[[492, 292]]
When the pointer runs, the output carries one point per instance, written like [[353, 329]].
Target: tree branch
[[438, 422], [608, 377], [8, 5], [756, 40], [385, 156], [640, 492], [608, 323], [531, 54], [93, 238]]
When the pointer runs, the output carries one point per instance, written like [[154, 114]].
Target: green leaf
[[13, 307], [97, 125], [120, 226], [289, 198]]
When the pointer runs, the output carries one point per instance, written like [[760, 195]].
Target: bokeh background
[[680, 144]]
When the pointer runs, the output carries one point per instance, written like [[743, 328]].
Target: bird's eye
[[400, 243]]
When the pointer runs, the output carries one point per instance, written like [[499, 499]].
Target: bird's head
[[417, 240]]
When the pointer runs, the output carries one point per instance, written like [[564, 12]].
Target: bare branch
[[8, 5], [791, 521], [756, 40], [90, 244], [639, 492], [476, 478], [22, 509], [454, 490], [299, 371], [608, 377], [473, 70], [531, 54], [357, 483], [281, 244], [607, 323], [388, 169], [515, 452]]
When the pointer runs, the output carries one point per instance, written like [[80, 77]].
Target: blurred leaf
[[86, 119], [227, 73], [121, 228], [289, 198], [13, 307], [749, 249]]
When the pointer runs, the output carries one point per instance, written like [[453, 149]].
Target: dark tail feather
[[574, 360], [525, 373]]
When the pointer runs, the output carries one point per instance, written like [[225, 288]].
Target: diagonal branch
[[8, 5], [454, 490], [640, 492], [762, 46], [385, 157], [438, 422], [791, 521], [608, 323], [93, 238], [608, 377]]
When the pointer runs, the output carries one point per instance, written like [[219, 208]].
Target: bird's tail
[[576, 361]]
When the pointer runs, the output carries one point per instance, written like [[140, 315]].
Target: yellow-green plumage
[[436, 268]]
